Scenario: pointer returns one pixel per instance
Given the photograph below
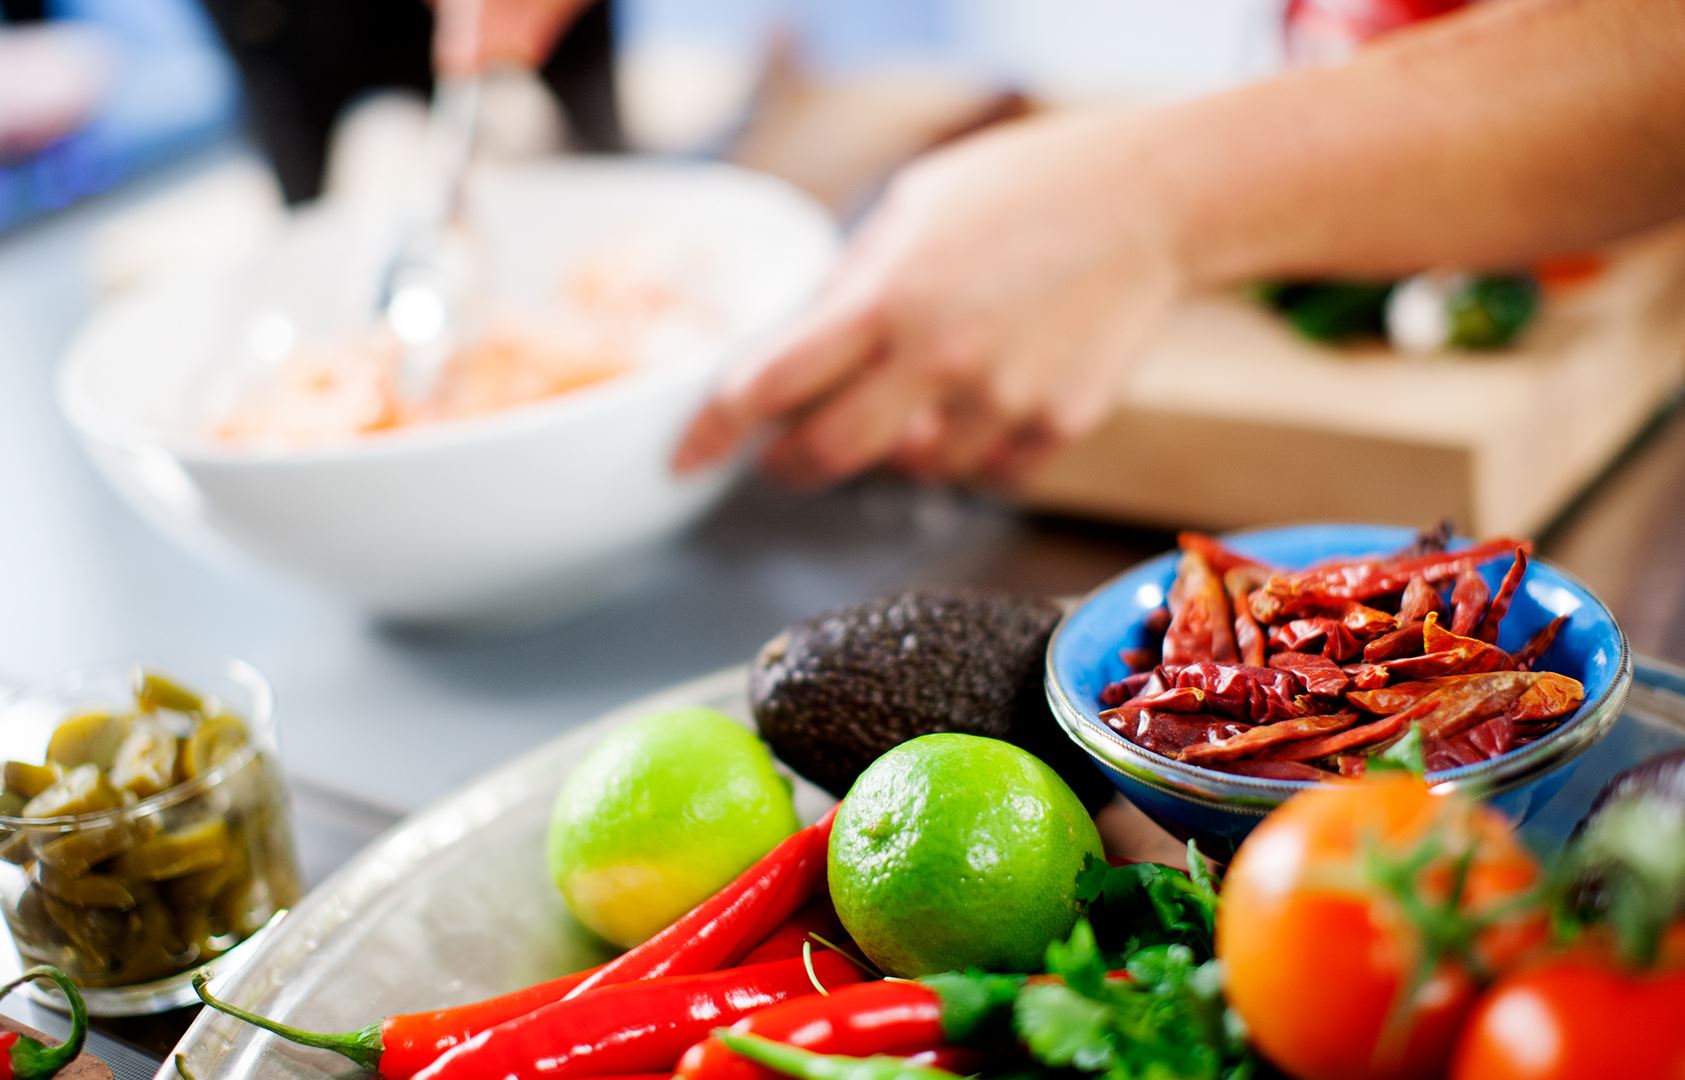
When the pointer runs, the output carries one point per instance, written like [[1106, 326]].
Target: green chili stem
[[33, 1060], [806, 1065], [363, 1046], [182, 1070]]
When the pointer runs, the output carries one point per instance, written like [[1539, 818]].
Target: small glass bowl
[[131, 925]]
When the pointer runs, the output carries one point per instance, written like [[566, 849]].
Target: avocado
[[834, 692]]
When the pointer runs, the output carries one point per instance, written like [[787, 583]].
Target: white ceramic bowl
[[523, 514]]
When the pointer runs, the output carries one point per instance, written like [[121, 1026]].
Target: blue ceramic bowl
[[1218, 809]]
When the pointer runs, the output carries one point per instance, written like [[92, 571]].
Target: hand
[[979, 322], [472, 35]]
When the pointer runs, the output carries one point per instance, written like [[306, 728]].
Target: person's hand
[[472, 35], [979, 321]]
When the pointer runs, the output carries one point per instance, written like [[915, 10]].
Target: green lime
[[955, 851], [660, 815]]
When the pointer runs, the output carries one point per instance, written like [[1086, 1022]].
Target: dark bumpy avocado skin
[[834, 692]]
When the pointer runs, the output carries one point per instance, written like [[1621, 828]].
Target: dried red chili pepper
[[1468, 601], [1548, 695], [1321, 587], [1318, 674], [1495, 612], [1539, 644], [1167, 733], [1302, 635], [1182, 699], [1447, 653], [1129, 686], [1405, 641], [1219, 556], [1418, 600], [1254, 740], [1367, 676], [1201, 625], [1373, 734], [1254, 694], [1248, 635]]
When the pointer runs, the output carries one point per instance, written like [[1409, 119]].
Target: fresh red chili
[[25, 1058], [719, 931], [816, 917], [633, 1027], [400, 1046], [898, 1018]]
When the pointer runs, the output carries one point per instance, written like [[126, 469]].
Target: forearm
[[1519, 129]]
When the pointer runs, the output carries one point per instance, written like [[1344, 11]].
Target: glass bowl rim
[[260, 722]]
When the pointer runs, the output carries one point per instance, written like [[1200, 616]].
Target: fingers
[[830, 347], [856, 428]]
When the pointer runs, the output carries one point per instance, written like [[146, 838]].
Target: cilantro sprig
[[1132, 994]]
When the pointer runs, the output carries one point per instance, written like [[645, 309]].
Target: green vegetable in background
[[1489, 312], [1330, 311]]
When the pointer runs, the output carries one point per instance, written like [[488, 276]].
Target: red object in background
[[1327, 31]]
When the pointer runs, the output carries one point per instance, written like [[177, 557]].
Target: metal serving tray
[[456, 903]]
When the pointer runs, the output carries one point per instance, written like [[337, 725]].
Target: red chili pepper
[[1325, 586], [25, 1058], [817, 917], [1201, 626], [633, 1027], [719, 931], [1318, 674], [1468, 601], [733, 921], [1219, 556], [402, 1045], [895, 1018], [1405, 641], [959, 1060], [1488, 628], [1248, 635], [1254, 740], [1528, 654], [1419, 598]]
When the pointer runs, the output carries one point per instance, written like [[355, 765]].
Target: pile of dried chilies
[[1297, 675]]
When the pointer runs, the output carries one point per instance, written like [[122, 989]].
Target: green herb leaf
[[1405, 755], [974, 1002], [1166, 1021], [1148, 904], [1064, 1029]]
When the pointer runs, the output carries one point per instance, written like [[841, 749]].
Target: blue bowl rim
[[1257, 794]]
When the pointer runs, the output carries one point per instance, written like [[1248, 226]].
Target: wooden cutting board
[[1233, 420]]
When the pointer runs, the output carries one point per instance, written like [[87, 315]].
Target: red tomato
[[1319, 956], [1576, 1017]]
